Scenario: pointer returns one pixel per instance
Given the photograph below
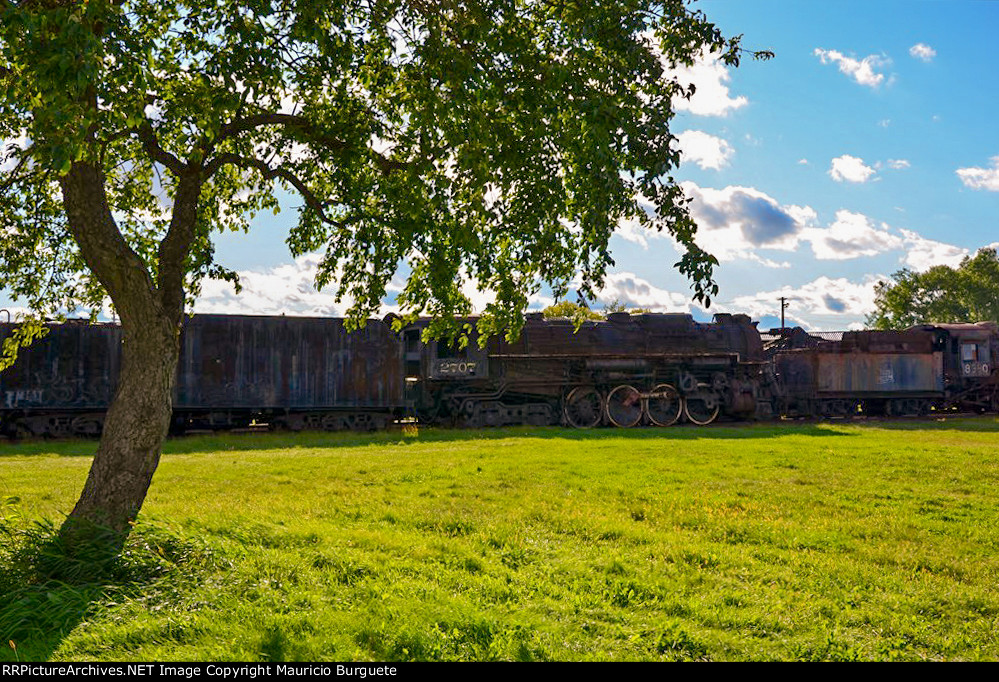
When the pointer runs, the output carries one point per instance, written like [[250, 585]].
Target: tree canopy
[[967, 293], [497, 142], [576, 312], [494, 141]]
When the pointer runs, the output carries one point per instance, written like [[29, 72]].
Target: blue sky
[[869, 143], [903, 94]]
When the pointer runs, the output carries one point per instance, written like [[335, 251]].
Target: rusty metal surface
[[869, 373], [907, 341], [75, 367], [288, 363], [624, 335], [979, 330], [808, 373], [226, 362]]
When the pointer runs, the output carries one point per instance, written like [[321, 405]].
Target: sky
[[869, 143]]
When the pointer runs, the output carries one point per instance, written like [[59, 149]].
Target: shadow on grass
[[64, 448], [45, 593], [415, 436], [284, 440]]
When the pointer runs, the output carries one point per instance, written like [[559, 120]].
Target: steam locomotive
[[627, 370]]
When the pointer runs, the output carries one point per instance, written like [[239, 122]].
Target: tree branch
[[152, 146], [269, 173], [306, 129], [292, 121], [176, 244], [106, 252]]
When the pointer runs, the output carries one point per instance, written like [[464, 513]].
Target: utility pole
[[783, 306]]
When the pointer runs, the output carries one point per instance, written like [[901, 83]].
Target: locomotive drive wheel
[[664, 405], [624, 406], [701, 408], [584, 407]]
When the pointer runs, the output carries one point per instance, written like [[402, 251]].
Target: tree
[[494, 141], [579, 313], [967, 293], [619, 306], [576, 312]]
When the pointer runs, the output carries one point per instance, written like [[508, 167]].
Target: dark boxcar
[[301, 372], [63, 382], [295, 372]]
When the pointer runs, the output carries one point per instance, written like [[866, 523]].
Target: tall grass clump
[[48, 588]]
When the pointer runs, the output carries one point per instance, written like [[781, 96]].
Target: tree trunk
[[139, 416], [134, 429]]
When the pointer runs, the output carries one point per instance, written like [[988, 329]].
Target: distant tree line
[[967, 293]]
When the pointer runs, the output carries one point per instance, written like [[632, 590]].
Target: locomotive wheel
[[664, 405], [584, 407], [701, 408], [624, 406]]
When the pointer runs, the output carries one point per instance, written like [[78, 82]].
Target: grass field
[[786, 542]]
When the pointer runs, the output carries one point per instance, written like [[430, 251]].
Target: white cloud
[[9, 152], [850, 169], [981, 178], [743, 223], [803, 162], [707, 151], [733, 222], [287, 289], [822, 303], [898, 164], [631, 230], [862, 71], [923, 52], [852, 235], [635, 292], [923, 254], [710, 78]]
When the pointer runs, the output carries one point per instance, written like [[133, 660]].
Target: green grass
[[788, 542]]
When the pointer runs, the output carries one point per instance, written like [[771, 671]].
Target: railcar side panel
[[74, 367], [862, 374], [288, 363]]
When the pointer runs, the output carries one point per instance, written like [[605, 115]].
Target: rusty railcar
[[621, 371], [233, 370], [971, 359], [909, 372]]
